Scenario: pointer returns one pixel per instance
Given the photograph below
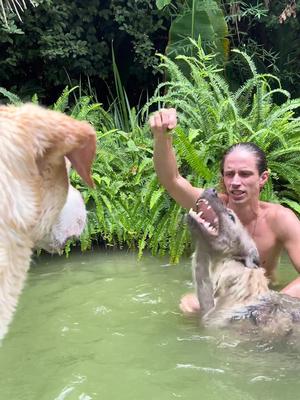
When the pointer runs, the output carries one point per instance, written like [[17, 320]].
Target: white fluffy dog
[[39, 208]]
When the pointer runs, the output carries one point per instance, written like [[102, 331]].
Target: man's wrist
[[163, 137]]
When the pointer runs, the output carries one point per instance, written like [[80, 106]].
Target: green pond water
[[102, 325]]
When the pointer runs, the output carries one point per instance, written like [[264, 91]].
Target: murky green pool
[[104, 326]]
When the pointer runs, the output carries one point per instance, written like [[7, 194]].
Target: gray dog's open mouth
[[206, 216]]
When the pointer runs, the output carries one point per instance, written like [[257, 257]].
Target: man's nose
[[235, 180]]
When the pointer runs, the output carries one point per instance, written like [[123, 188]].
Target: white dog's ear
[[82, 156], [55, 134]]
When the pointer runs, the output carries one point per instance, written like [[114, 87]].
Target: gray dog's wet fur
[[230, 285]]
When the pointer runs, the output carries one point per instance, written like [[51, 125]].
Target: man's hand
[[189, 304], [163, 120]]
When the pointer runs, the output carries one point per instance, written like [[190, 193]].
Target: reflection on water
[[104, 326]]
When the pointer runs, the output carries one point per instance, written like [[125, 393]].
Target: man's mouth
[[237, 193], [206, 216]]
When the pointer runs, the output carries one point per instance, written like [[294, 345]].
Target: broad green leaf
[[160, 4], [205, 21]]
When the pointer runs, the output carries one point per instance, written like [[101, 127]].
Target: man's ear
[[263, 179]]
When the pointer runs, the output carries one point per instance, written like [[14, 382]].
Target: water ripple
[[262, 378], [205, 369], [196, 338]]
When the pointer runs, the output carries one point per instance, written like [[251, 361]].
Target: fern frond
[[62, 102], [13, 98]]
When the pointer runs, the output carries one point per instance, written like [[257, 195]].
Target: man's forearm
[[165, 161]]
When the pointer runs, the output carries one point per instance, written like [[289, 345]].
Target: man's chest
[[268, 246]]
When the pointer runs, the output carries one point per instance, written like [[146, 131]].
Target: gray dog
[[230, 284]]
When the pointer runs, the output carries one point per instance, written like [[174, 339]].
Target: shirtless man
[[244, 172]]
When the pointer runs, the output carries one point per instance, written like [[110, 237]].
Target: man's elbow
[[170, 185]]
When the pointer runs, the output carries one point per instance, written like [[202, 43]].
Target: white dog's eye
[[231, 216]]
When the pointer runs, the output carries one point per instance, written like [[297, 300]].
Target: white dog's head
[[35, 142], [38, 205]]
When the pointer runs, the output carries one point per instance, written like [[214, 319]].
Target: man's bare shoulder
[[275, 210], [279, 218]]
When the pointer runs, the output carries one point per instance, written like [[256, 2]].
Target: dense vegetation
[[62, 43], [219, 104]]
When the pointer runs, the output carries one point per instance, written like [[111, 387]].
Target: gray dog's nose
[[212, 192]]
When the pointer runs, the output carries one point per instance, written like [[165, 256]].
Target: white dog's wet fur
[[39, 208], [231, 286]]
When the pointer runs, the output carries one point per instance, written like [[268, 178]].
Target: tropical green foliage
[[63, 43], [69, 43], [269, 31], [128, 207]]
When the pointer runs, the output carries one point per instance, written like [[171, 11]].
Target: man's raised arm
[[165, 160]]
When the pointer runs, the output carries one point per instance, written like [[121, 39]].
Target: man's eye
[[245, 174], [231, 216]]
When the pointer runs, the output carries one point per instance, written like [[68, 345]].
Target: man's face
[[241, 177]]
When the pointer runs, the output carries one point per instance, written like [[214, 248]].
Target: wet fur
[[229, 283], [34, 186]]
